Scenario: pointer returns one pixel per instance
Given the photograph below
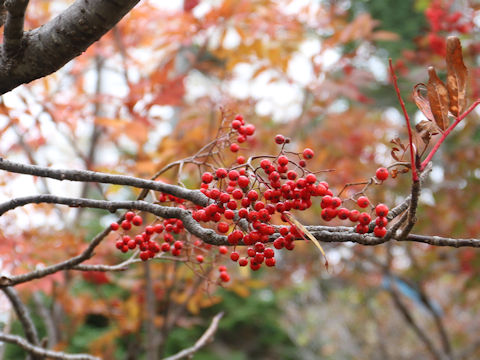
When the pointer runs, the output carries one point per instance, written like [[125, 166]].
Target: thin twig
[[23, 315], [41, 352], [201, 342], [407, 121]]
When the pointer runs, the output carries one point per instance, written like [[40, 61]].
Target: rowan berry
[[200, 258], [308, 154], [234, 256], [222, 250], [381, 174], [234, 147], [126, 225], [224, 276], [279, 139], [364, 218], [363, 201], [114, 226], [221, 173], [381, 210], [137, 220], [222, 227], [129, 215], [207, 177], [379, 231]]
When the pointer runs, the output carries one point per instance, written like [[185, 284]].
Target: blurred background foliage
[[150, 93]]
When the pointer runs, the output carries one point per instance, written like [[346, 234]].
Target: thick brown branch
[[47, 48], [13, 31], [194, 196]]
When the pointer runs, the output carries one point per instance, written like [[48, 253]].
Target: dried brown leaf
[[426, 129], [456, 76], [422, 101], [438, 98]]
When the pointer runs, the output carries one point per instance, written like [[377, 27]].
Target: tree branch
[[23, 315], [47, 48], [194, 196], [41, 352], [13, 31], [207, 335]]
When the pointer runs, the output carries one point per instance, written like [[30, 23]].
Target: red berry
[[343, 213], [291, 175], [234, 256], [241, 160], [144, 255], [302, 163], [381, 174], [233, 175], [200, 258], [381, 210], [224, 276], [165, 247], [249, 129], [129, 215], [279, 139], [308, 153], [354, 214], [379, 231], [311, 178], [222, 250], [222, 227], [236, 124], [114, 226], [270, 262], [137, 220], [221, 173], [269, 253], [207, 177], [178, 245], [364, 218], [381, 221], [243, 181], [361, 229], [234, 147], [252, 195], [243, 262], [126, 225], [363, 201]]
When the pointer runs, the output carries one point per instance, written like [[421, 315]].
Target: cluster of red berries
[[245, 198], [441, 19], [243, 130], [148, 240]]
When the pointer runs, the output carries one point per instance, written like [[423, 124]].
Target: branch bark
[[41, 352], [46, 49]]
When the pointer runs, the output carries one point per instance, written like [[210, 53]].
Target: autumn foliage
[[247, 172]]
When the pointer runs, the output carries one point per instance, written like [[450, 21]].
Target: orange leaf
[[456, 76], [438, 98], [421, 101]]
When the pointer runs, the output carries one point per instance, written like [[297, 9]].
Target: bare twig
[[201, 342], [23, 315], [41, 352], [422, 335]]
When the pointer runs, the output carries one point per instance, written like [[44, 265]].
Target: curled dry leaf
[[422, 101], [438, 98], [401, 147], [456, 76], [426, 129]]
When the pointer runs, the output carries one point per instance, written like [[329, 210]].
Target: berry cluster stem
[[446, 132], [407, 120]]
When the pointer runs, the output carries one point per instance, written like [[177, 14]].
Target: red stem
[[407, 120], [446, 132]]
